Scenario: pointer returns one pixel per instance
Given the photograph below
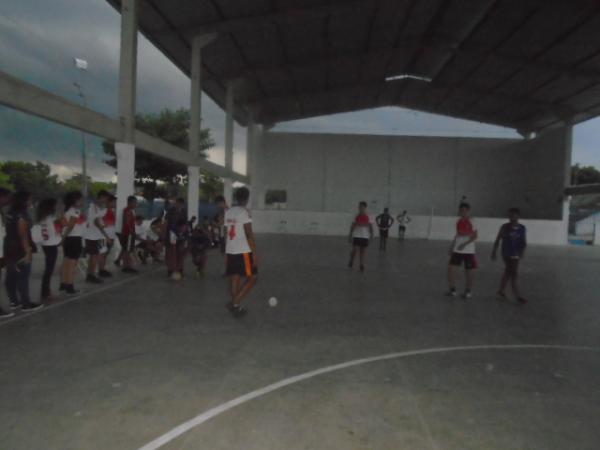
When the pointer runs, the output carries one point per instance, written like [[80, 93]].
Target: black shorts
[[92, 247], [511, 265], [384, 232], [468, 259], [360, 242], [127, 241], [242, 265], [73, 247]]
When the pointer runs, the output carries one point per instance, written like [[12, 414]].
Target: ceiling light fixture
[[406, 76]]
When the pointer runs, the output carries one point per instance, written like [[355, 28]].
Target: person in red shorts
[[462, 251], [361, 231], [127, 235]]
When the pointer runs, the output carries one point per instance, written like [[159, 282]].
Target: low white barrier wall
[[541, 232]]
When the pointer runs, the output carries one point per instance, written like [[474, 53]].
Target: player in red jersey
[[462, 251], [361, 231]]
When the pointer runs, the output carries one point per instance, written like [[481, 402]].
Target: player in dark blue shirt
[[514, 242]]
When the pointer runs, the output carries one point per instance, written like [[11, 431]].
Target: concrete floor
[[120, 367]]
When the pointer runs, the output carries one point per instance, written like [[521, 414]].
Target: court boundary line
[[207, 415], [24, 315]]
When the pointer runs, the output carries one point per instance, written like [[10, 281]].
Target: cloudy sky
[[38, 41]]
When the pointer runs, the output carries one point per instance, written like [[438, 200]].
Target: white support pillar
[[125, 177], [228, 184], [567, 198], [128, 67], [198, 43], [125, 151], [193, 191]]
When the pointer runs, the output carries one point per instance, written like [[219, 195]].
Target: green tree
[[156, 176], [5, 180], [75, 183], [584, 175], [34, 178]]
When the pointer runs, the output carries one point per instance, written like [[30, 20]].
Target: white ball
[[273, 302]]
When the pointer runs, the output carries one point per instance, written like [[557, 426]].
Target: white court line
[[24, 315], [213, 412]]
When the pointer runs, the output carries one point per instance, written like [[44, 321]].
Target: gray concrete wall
[[331, 172]]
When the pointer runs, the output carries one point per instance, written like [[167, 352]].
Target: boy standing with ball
[[240, 249]]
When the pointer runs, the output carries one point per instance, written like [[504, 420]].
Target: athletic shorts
[[92, 246], [241, 264], [127, 241], [468, 259], [73, 247], [511, 265], [360, 242], [384, 232]]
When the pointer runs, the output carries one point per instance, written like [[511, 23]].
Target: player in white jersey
[[240, 250]]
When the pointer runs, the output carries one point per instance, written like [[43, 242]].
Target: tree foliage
[[34, 178], [157, 177], [584, 175]]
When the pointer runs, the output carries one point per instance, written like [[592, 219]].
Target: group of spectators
[[92, 235]]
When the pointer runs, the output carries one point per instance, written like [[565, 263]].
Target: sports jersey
[[362, 229], [403, 220], [235, 219], [464, 231], [384, 221], [514, 240], [141, 231], [79, 226], [50, 231], [128, 228], [92, 232], [110, 221]]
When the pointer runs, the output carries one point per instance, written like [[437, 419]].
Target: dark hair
[[71, 198], [104, 193], [363, 203], [19, 201], [131, 198], [45, 208], [4, 192], [242, 195], [219, 199], [514, 211], [386, 210], [464, 205]]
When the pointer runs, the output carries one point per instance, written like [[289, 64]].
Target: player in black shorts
[[384, 223]]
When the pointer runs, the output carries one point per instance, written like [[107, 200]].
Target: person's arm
[[100, 225], [251, 242], [23, 230], [472, 239], [524, 247], [452, 245], [69, 225], [497, 243]]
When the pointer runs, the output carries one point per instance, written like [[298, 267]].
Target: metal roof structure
[[523, 64]]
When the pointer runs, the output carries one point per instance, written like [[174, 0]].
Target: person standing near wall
[[514, 242], [5, 312], [403, 221], [127, 236], [96, 238], [176, 221], [73, 228], [384, 223], [49, 236], [462, 251], [18, 252], [361, 231]]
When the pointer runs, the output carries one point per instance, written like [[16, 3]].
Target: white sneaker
[[467, 295]]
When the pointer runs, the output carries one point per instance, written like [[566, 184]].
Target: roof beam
[[250, 22], [30, 99]]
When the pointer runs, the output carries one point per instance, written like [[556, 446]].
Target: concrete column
[[128, 67], [196, 96], [125, 177], [228, 184], [567, 199], [193, 191]]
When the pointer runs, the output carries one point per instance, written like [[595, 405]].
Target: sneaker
[[129, 270], [105, 274], [521, 300], [236, 310], [63, 287], [6, 314], [93, 279], [467, 295], [501, 294], [14, 305], [451, 293], [32, 307], [71, 290]]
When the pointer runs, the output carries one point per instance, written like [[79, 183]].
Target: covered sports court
[[347, 361]]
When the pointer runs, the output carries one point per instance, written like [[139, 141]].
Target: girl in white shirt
[[73, 227], [50, 238]]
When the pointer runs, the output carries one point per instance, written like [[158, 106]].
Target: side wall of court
[[325, 175]]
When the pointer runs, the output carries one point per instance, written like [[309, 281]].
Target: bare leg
[[362, 257], [235, 286], [245, 289], [93, 262], [470, 276], [504, 281], [451, 277]]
